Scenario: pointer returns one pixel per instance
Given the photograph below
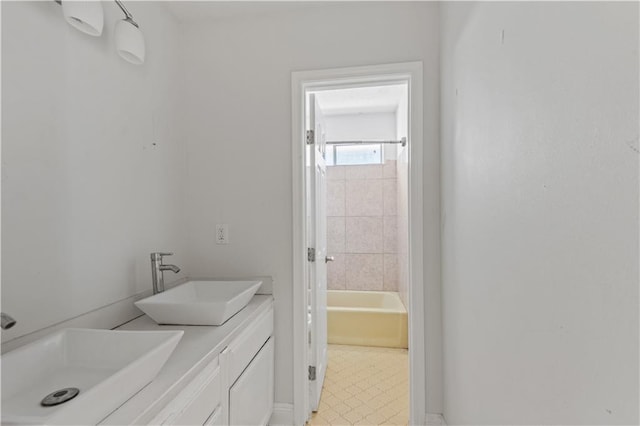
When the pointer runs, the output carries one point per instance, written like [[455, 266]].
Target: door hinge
[[311, 254], [310, 137], [312, 372]]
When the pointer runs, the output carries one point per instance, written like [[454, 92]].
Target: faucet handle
[[158, 255]]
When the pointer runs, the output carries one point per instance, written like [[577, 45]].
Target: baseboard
[[282, 415], [435, 420]]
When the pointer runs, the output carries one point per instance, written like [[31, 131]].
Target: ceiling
[[362, 99], [193, 11], [332, 102]]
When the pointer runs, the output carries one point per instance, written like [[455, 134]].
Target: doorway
[[320, 150], [365, 366]]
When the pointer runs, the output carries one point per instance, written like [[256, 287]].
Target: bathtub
[[366, 318]]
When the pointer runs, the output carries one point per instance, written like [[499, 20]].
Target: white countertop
[[198, 346]]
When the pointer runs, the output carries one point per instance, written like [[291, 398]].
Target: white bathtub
[[366, 318]]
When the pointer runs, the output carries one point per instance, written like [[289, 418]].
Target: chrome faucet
[[157, 271], [6, 321]]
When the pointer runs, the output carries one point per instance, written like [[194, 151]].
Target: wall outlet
[[222, 234]]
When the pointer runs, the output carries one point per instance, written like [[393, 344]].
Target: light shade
[[87, 16], [129, 42]]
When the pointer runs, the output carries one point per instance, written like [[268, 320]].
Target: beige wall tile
[[364, 197], [389, 169], [390, 272], [390, 234], [364, 271], [336, 198], [336, 273], [389, 197], [364, 235], [366, 171], [335, 172], [370, 227], [335, 235]]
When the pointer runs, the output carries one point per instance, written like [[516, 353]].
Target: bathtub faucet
[[157, 271]]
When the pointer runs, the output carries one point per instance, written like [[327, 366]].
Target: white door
[[317, 228]]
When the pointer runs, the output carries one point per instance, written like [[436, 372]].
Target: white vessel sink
[[106, 366], [199, 302]]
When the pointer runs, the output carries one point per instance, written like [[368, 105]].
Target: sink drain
[[59, 397]]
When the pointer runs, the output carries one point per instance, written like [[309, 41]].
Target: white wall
[[86, 195], [540, 213], [363, 126], [238, 128]]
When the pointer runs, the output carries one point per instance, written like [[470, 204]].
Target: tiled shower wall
[[362, 227]]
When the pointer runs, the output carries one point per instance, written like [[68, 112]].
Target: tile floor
[[364, 386]]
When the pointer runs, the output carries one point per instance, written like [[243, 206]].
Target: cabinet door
[[201, 405], [245, 347], [251, 396], [195, 403], [215, 419]]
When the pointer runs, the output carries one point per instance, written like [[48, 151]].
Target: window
[[347, 155]]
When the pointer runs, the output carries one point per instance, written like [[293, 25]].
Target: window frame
[[334, 153]]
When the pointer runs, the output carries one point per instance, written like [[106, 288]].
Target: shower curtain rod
[[402, 141]]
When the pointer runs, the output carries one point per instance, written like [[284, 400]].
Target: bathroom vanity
[[216, 375]]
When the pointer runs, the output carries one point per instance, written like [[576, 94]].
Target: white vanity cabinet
[[235, 388], [251, 396], [197, 401]]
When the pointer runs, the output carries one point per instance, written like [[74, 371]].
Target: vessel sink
[[199, 302], [107, 367]]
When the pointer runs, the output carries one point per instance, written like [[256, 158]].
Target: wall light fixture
[[129, 39], [88, 17]]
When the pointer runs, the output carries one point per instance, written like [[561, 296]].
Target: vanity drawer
[[197, 401], [251, 396], [246, 346], [215, 419]]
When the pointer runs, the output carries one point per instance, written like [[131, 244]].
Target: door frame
[[301, 81]]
